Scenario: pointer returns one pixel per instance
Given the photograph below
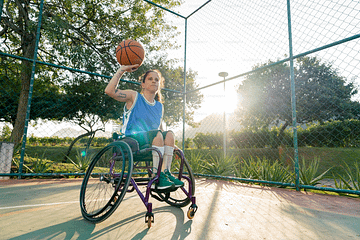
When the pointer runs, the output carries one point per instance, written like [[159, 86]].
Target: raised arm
[[112, 90]]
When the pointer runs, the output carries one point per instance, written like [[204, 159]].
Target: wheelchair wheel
[[106, 181], [180, 197]]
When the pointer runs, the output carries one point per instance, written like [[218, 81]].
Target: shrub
[[263, 169], [196, 160], [220, 166], [351, 180], [209, 140], [82, 160], [344, 133], [309, 174]]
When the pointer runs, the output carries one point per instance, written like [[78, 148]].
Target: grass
[[55, 153]]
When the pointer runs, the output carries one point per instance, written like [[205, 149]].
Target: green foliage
[[309, 173], [274, 172], [16, 163], [55, 141], [5, 134], [196, 160], [46, 97], [188, 142], [220, 166], [208, 140], [76, 34], [321, 94], [263, 169], [41, 166], [337, 133], [260, 138], [351, 180], [248, 168], [82, 160], [345, 133]]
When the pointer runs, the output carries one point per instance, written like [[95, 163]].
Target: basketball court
[[49, 209]]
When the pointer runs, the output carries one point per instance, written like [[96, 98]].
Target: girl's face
[[152, 82]]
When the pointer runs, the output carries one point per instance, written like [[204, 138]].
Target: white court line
[[38, 205], [49, 204]]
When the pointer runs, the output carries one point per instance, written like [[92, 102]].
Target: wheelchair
[[123, 167]]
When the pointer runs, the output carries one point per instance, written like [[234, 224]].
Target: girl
[[142, 118]]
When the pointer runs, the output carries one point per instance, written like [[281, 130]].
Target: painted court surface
[[49, 209]]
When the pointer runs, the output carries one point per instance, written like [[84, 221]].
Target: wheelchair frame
[[110, 175]]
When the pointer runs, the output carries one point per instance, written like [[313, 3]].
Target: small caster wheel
[[192, 210], [149, 218], [190, 213]]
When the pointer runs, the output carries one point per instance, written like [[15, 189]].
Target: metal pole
[[224, 74], [293, 101], [184, 95], [30, 90], [224, 121]]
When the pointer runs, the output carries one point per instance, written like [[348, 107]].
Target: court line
[[50, 204], [38, 205]]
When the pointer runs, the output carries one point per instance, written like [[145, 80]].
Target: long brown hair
[[158, 95]]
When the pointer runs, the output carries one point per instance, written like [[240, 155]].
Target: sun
[[218, 101]]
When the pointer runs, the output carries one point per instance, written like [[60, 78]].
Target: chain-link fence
[[280, 92], [271, 88]]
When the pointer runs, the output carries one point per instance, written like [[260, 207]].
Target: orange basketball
[[130, 52]]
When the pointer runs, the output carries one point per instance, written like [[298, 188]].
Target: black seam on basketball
[[120, 56], [136, 54], [128, 56], [119, 48]]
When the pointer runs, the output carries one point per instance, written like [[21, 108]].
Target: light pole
[[224, 75]]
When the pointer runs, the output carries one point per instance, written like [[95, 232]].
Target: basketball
[[130, 52]]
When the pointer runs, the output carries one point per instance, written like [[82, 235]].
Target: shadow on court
[[49, 209], [80, 229]]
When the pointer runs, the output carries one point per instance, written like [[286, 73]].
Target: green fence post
[[293, 100], [30, 91], [184, 95]]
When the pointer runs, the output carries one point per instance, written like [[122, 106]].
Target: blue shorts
[[145, 139]]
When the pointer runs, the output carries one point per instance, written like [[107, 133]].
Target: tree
[[78, 34], [321, 95], [46, 97]]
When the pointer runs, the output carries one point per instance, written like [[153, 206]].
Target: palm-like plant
[[220, 166], [82, 160], [351, 180], [308, 174]]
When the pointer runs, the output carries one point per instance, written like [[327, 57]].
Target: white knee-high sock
[[168, 156], [156, 158]]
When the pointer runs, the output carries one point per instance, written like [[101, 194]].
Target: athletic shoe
[[175, 180], [164, 183]]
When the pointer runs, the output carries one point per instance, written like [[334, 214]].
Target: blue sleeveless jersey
[[143, 116]]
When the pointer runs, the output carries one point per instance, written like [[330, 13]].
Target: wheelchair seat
[[135, 148]]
